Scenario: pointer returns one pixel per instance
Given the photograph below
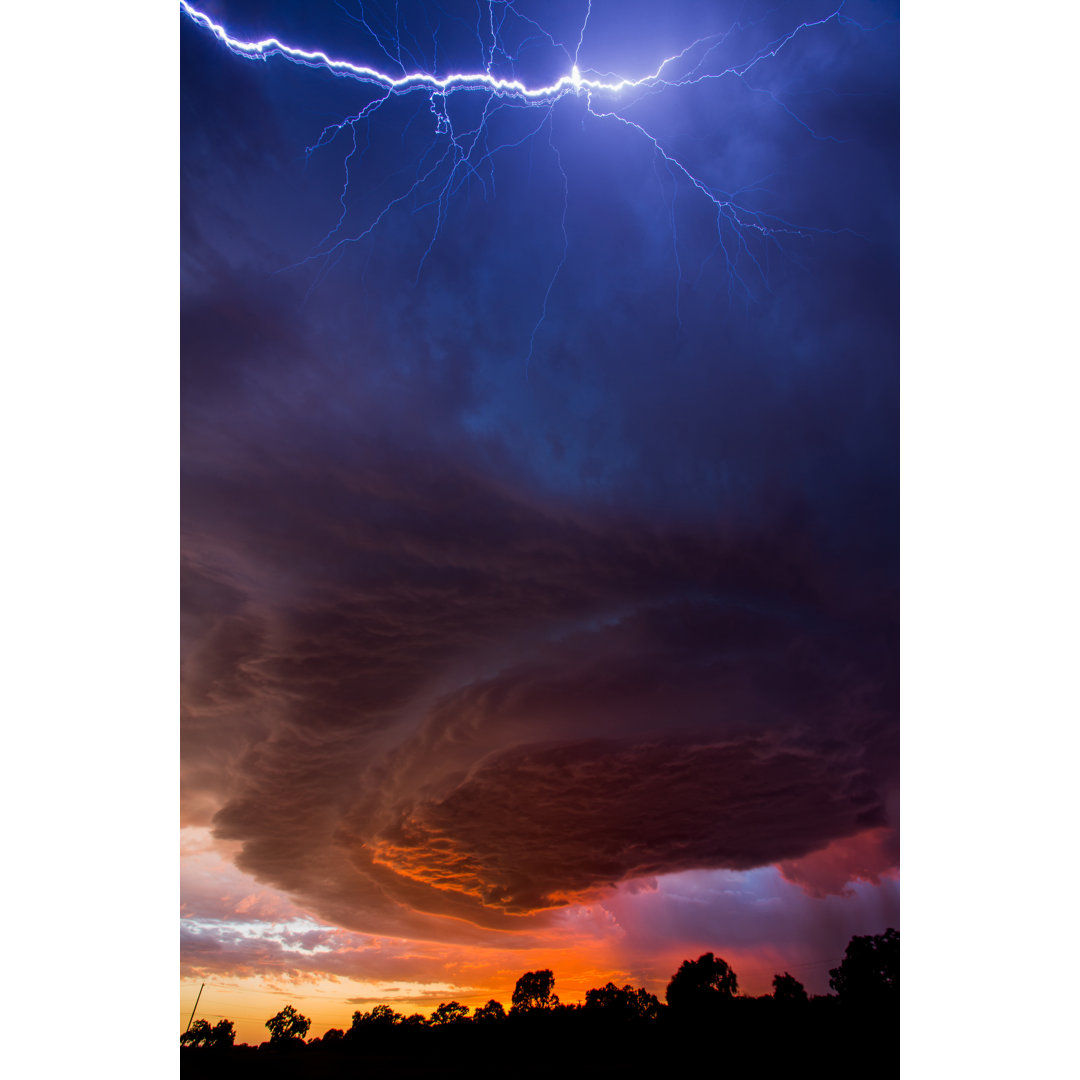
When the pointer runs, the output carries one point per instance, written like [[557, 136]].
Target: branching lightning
[[463, 150]]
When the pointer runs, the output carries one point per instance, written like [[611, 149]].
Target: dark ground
[[756, 1039]]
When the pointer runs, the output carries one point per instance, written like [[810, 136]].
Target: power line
[[283, 993], [345, 1001], [815, 963]]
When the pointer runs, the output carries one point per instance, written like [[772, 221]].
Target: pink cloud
[[868, 856]]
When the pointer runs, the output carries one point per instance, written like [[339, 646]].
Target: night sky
[[539, 533]]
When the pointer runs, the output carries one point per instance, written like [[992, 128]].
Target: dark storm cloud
[[448, 698], [537, 827], [464, 640]]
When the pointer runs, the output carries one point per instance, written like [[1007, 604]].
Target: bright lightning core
[[477, 113]]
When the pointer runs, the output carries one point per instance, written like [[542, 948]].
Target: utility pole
[[194, 1007]]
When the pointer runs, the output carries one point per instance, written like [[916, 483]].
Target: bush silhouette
[[382, 1016], [220, 1036], [489, 1013], [624, 1003], [198, 1034], [450, 1012], [787, 988]]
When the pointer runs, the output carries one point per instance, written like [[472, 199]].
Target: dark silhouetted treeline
[[703, 1024]]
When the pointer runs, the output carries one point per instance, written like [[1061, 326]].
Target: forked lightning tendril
[[461, 153]]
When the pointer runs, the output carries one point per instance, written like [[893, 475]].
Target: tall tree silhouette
[[870, 971], [533, 991], [288, 1026], [702, 984]]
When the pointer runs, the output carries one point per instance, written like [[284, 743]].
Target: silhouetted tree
[[701, 983], [626, 1002], [413, 1020], [222, 1036], [198, 1034], [376, 1027], [787, 988], [870, 971], [645, 1006], [533, 991], [288, 1026], [492, 1011], [449, 1012], [334, 1035], [382, 1016]]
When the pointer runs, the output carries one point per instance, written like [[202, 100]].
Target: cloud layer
[[469, 643], [410, 694]]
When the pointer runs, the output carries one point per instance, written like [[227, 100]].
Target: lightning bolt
[[464, 151]]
